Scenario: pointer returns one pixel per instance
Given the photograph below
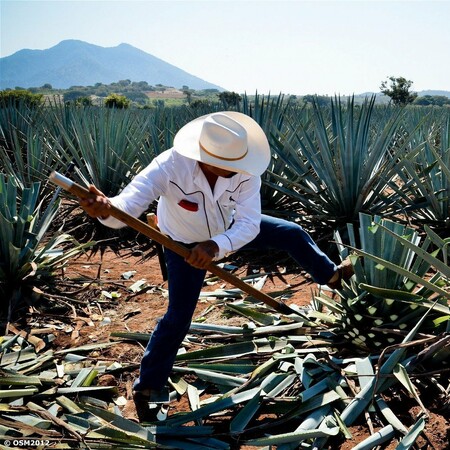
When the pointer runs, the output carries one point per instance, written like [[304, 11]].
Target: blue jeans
[[185, 283]]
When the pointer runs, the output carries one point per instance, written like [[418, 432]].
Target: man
[[208, 189]]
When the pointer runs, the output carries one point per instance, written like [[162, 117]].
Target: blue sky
[[294, 47]]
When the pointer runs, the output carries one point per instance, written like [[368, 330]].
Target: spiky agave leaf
[[391, 290], [26, 261]]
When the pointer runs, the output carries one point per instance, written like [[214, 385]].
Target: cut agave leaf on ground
[[252, 314], [31, 421], [228, 368], [246, 414], [365, 371], [295, 436], [411, 437], [84, 377], [389, 415], [402, 375], [218, 405], [19, 380], [220, 352], [378, 438], [222, 293], [275, 383], [214, 328], [214, 377], [120, 422], [13, 393]]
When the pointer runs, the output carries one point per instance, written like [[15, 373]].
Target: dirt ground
[[139, 312]]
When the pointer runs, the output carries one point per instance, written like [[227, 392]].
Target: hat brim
[[255, 162]]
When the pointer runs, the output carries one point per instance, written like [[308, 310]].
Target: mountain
[[78, 63], [419, 93], [434, 93]]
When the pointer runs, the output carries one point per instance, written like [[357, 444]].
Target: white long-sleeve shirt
[[188, 210]]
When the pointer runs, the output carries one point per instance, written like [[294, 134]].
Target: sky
[[293, 47]]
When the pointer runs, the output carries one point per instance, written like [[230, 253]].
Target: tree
[[320, 100], [188, 93], [434, 100], [398, 90], [19, 97], [230, 98], [117, 101]]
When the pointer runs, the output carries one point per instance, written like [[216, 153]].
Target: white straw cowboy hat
[[229, 140]]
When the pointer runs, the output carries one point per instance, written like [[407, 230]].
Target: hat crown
[[223, 137]]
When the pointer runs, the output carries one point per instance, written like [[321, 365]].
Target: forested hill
[[78, 63]]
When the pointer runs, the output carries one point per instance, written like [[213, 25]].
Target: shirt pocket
[[188, 205]]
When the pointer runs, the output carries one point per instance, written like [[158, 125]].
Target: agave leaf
[[213, 328], [365, 371], [262, 319], [295, 436], [409, 440], [274, 384], [19, 360], [403, 272], [119, 422], [316, 402], [295, 328], [235, 367], [119, 436], [393, 294], [379, 437], [241, 420], [78, 389], [405, 297], [10, 393], [31, 421], [19, 380], [315, 418], [213, 377], [220, 351], [438, 264], [402, 375], [85, 348], [344, 429], [83, 376], [8, 432], [33, 365], [218, 405], [353, 410], [68, 404], [314, 390], [143, 337], [389, 415], [194, 397]]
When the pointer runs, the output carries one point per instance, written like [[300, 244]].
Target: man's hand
[[202, 254], [97, 206]]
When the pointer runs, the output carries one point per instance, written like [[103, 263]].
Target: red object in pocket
[[189, 206]]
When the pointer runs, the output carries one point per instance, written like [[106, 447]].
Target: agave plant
[[28, 257], [424, 177], [273, 114], [103, 143], [163, 124], [338, 162], [15, 119], [398, 278]]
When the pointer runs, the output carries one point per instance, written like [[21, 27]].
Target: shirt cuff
[[225, 245]]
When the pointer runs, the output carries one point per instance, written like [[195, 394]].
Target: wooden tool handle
[[81, 192]]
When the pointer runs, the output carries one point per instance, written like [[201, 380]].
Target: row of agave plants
[[374, 180]]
